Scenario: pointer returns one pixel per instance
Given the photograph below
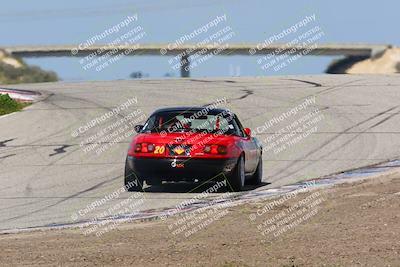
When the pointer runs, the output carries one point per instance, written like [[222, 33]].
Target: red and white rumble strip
[[21, 95]]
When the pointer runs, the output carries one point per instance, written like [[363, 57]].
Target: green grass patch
[[9, 105]]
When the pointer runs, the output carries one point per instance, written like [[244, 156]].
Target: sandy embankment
[[387, 63], [7, 59], [354, 225]]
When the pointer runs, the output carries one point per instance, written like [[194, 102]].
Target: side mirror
[[247, 131], [138, 128]]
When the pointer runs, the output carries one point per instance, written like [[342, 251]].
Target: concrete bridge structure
[[185, 51]]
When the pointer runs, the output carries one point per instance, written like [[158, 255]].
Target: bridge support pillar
[[185, 66]]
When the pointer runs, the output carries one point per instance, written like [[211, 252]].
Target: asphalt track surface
[[47, 177]]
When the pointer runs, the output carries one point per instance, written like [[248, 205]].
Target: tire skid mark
[[247, 92], [48, 100], [45, 100], [308, 82], [3, 143], [59, 150], [40, 170], [334, 138], [7, 156], [208, 81], [330, 89], [61, 201]]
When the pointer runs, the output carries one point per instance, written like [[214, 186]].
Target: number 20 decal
[[159, 150]]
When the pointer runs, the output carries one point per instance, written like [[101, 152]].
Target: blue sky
[[72, 22]]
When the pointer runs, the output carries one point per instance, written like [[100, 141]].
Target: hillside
[[387, 62], [15, 70]]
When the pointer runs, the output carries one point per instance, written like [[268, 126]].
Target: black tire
[[256, 178], [132, 182], [237, 178]]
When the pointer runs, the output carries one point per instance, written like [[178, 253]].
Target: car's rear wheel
[[256, 178], [237, 178], [132, 182]]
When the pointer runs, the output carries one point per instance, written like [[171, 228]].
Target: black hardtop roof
[[191, 109]]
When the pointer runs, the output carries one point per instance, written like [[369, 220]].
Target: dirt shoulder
[[349, 225]]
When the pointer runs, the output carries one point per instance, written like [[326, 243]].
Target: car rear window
[[190, 121]]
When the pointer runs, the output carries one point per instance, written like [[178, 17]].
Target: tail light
[[144, 148], [138, 148], [150, 148], [215, 149]]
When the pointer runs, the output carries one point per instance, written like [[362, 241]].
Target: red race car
[[193, 143]]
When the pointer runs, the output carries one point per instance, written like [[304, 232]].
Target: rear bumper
[[170, 169]]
